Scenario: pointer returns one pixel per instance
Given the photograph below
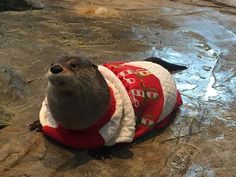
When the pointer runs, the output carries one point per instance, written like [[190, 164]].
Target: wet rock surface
[[198, 34]]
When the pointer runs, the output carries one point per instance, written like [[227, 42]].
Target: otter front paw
[[35, 126]]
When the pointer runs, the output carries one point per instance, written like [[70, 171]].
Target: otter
[[89, 106]]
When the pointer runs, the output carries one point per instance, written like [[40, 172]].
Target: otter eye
[[73, 65]]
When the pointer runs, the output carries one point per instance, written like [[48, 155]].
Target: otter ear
[[95, 66]]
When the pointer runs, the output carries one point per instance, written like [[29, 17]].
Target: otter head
[[72, 73], [77, 93]]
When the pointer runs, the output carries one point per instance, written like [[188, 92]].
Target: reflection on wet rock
[[197, 170]]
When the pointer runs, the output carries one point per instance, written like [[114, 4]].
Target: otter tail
[[172, 68]]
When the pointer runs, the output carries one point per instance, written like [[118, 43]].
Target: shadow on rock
[[19, 5], [72, 158], [63, 158], [122, 150]]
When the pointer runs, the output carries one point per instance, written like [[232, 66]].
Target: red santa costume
[[142, 96]]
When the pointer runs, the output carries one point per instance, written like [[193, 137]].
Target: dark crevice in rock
[[8, 155], [19, 5]]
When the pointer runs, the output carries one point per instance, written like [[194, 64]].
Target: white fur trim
[[110, 129], [167, 83], [45, 116], [126, 130]]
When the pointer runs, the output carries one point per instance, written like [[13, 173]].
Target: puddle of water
[[186, 86], [203, 45], [198, 76], [210, 29], [210, 92], [197, 83], [170, 11], [221, 137], [196, 170], [228, 122]]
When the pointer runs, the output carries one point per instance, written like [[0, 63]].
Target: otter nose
[[56, 69]]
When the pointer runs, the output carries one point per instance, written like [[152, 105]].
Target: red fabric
[[75, 139], [164, 123], [144, 89], [87, 138], [148, 109]]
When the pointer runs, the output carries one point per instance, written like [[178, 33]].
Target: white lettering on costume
[[124, 75], [153, 95]]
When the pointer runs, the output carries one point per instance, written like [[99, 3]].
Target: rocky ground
[[200, 34]]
